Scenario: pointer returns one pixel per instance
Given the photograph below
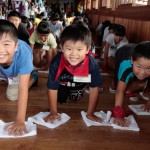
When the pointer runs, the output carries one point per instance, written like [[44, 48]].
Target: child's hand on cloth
[[95, 118], [147, 106], [52, 117], [17, 128], [121, 122]]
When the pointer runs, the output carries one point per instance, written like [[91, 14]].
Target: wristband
[[119, 112]]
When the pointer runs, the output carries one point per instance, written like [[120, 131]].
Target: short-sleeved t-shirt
[[66, 77], [114, 47], [125, 71], [51, 41], [22, 62]]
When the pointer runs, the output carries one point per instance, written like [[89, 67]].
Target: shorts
[[73, 93]]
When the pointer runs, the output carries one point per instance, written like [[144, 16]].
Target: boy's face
[[118, 39], [141, 68], [54, 22], [15, 20], [43, 37], [7, 49], [74, 52]]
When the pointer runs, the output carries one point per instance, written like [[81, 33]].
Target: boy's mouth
[[3, 55]]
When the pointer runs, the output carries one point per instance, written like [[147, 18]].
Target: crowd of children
[[63, 46]]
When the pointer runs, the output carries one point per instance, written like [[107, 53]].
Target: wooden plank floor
[[74, 135]]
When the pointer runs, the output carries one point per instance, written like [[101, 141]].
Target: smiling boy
[[71, 69], [16, 69]]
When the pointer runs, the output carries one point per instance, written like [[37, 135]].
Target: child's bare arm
[[18, 127], [52, 98], [93, 101], [119, 111], [106, 49], [120, 93], [32, 46]]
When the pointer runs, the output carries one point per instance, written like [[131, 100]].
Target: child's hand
[[121, 122], [16, 128], [52, 117], [95, 118], [147, 106]]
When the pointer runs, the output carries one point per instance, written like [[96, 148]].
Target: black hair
[[106, 23], [25, 19], [112, 26], [76, 19], [70, 14], [142, 50], [120, 30], [14, 13], [80, 22], [43, 27], [55, 17], [8, 28], [76, 32], [41, 14]]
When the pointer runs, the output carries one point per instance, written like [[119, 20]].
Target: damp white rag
[[39, 119], [31, 128], [139, 109], [133, 125], [104, 116]]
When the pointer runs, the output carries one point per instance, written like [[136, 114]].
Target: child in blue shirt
[[133, 75], [71, 69], [15, 67]]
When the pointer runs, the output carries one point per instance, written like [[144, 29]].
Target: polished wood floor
[[74, 135]]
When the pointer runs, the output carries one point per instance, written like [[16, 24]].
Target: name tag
[[13, 80], [45, 47], [82, 79]]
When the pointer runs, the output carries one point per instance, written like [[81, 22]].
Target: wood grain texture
[[73, 135]]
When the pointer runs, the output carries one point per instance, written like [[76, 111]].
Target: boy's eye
[[79, 49], [68, 48], [148, 69], [6, 44], [139, 67]]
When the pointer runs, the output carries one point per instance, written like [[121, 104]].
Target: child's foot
[[35, 76], [131, 96], [112, 88], [144, 97]]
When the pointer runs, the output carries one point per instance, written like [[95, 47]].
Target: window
[[141, 2], [88, 4], [85, 4], [106, 3], [95, 4]]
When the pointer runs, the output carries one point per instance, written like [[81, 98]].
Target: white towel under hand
[[31, 128], [133, 125], [38, 119], [101, 114]]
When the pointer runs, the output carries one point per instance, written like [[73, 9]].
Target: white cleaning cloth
[[38, 119], [31, 128], [138, 109], [133, 125], [101, 114]]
